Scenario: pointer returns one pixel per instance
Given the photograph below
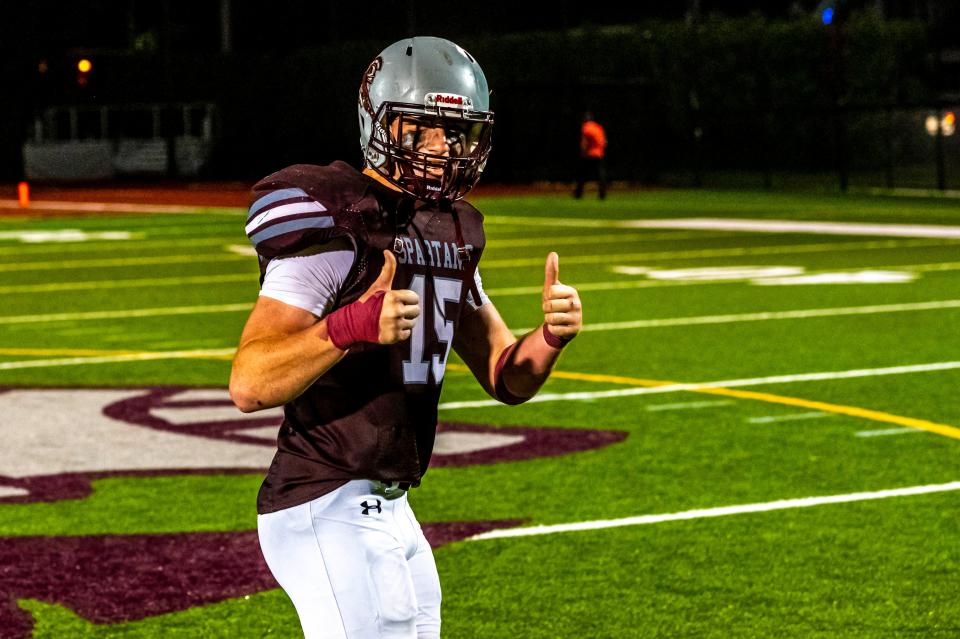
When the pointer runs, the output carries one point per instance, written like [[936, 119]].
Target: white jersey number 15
[[416, 370]]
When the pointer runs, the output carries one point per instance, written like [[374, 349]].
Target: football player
[[368, 280]]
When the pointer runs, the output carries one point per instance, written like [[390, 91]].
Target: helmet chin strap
[[373, 173], [411, 184], [423, 188], [417, 179]]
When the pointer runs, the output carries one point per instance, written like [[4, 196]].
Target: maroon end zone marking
[[537, 442], [47, 488], [109, 579], [138, 411]]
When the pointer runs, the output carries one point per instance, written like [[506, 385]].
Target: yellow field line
[[852, 411]]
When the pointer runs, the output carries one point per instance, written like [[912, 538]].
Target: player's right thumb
[[385, 280]]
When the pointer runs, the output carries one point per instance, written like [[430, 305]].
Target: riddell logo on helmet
[[448, 99]]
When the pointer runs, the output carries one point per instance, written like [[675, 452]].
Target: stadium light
[[84, 67], [947, 124]]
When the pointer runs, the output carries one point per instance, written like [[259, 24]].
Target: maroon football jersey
[[374, 414]]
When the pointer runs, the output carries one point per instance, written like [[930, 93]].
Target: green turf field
[[737, 385]]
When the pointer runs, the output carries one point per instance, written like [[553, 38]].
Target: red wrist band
[[357, 322], [553, 340], [499, 387]]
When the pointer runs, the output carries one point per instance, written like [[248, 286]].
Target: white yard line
[[589, 240], [799, 226], [772, 419], [554, 222], [887, 431], [610, 285], [688, 405], [934, 267], [610, 326], [135, 244], [739, 224], [729, 383], [830, 247], [249, 278], [592, 286], [723, 511], [62, 236], [498, 263], [764, 316], [109, 359], [121, 261], [136, 312], [543, 397], [644, 283], [93, 246]]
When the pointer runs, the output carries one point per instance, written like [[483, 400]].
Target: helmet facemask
[[421, 165]]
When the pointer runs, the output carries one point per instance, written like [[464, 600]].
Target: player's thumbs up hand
[[562, 313], [380, 316], [400, 308]]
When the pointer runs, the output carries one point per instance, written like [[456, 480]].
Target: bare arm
[[513, 370], [480, 340], [284, 349], [483, 338]]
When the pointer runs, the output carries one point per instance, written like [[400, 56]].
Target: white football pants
[[355, 565]]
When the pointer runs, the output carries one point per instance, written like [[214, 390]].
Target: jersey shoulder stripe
[[302, 205], [274, 197], [309, 221], [278, 211]]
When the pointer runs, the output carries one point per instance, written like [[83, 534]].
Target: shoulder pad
[[300, 205], [464, 208]]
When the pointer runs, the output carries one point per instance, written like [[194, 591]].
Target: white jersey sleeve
[[473, 305], [312, 279]]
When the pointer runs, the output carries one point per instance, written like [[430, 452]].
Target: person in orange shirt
[[593, 146]]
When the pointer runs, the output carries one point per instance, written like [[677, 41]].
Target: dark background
[[685, 89]]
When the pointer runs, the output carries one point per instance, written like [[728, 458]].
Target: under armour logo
[[368, 507]]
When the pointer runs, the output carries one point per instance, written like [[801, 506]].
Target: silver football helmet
[[425, 119]]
